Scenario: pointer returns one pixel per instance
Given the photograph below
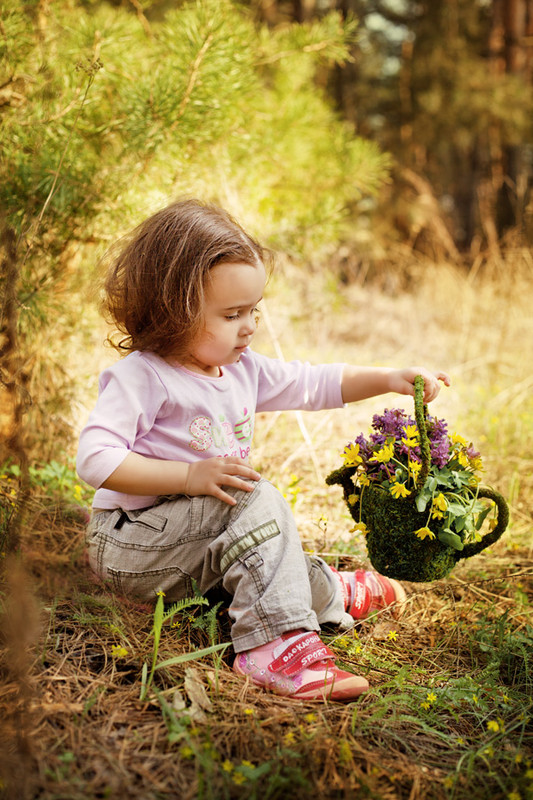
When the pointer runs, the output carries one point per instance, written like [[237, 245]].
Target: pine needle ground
[[449, 711]]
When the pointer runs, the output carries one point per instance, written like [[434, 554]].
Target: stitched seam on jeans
[[250, 540]]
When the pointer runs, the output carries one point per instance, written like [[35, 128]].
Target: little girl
[[167, 447]]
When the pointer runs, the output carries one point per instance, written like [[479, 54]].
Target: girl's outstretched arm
[[358, 383], [141, 475]]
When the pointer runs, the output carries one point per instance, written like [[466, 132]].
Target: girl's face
[[231, 297]]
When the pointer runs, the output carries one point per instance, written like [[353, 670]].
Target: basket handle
[[491, 536], [421, 414]]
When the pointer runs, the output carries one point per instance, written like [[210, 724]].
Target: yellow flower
[[249, 712], [392, 635], [227, 766], [414, 468], [514, 796], [431, 697], [462, 458], [422, 533], [363, 479], [289, 738], [399, 490], [425, 705], [246, 763], [117, 651], [239, 778], [492, 725], [310, 717], [187, 752], [160, 593], [457, 439], [351, 455], [384, 455], [440, 502], [352, 499], [411, 431], [360, 526]]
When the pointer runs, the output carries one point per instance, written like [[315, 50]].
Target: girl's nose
[[249, 326]]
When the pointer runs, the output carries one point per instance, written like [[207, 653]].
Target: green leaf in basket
[[482, 517], [451, 539], [422, 500]]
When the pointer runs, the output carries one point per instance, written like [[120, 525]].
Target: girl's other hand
[[210, 475], [402, 381]]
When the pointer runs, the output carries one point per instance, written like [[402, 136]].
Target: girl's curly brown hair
[[154, 289]]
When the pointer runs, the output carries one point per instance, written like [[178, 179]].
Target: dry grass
[[71, 722]]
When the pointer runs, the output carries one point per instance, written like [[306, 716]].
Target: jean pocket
[[145, 585]]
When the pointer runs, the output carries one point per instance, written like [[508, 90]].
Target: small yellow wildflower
[[352, 499], [436, 514], [399, 490], [310, 717], [460, 740], [245, 763], [384, 455], [425, 705], [462, 458], [160, 593], [440, 502], [360, 526], [489, 751], [424, 533], [431, 697], [411, 431], [514, 796], [529, 774], [392, 635], [363, 479], [351, 455], [227, 766], [492, 725], [414, 469], [249, 712], [475, 699], [289, 738], [238, 778], [518, 758], [187, 752], [117, 651], [457, 439]]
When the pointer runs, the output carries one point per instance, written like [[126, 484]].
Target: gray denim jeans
[[253, 549]]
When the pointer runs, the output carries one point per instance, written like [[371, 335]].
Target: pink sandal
[[298, 664], [365, 591]]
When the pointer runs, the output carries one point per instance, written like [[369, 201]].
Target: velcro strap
[[300, 654], [361, 596]]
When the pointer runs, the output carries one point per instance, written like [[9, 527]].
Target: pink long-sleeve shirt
[[149, 407]]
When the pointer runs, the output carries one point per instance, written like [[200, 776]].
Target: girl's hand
[[402, 381], [210, 475]]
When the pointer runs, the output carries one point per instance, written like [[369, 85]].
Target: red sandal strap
[[300, 654]]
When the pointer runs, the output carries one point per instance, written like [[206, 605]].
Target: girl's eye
[[232, 316]]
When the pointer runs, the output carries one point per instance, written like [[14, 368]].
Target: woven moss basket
[[393, 548]]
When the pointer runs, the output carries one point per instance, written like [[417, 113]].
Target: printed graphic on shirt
[[227, 439]]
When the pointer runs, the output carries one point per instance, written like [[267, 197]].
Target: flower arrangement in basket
[[415, 492]]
